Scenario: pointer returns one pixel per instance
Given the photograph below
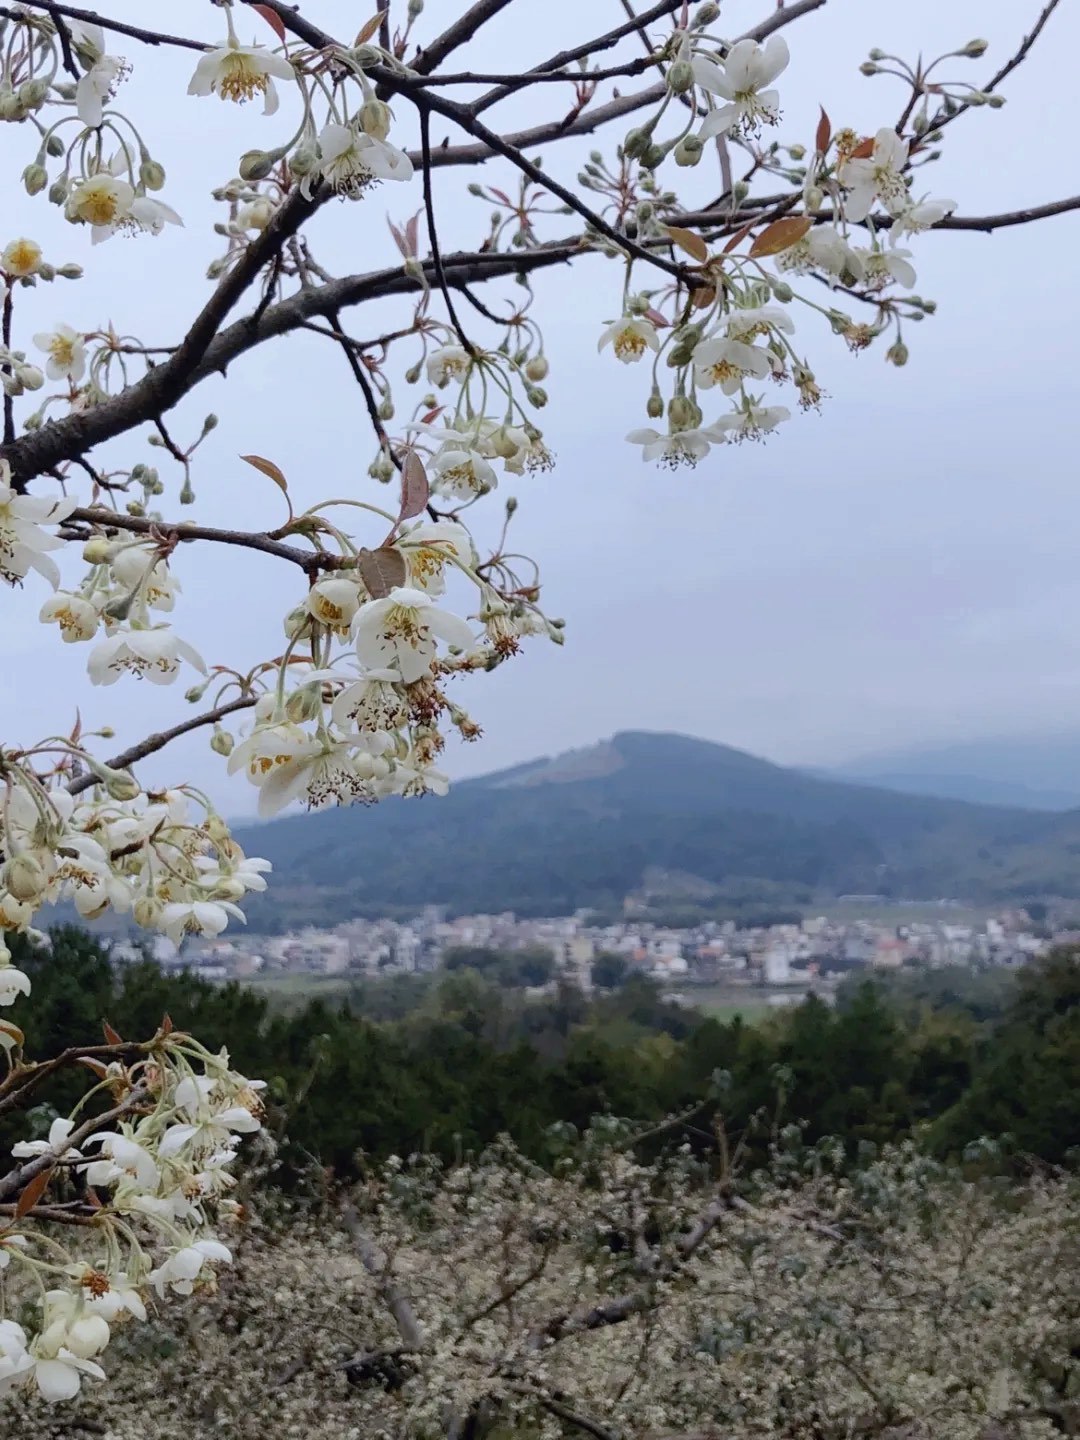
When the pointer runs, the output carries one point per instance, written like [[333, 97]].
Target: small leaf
[[11, 1037], [96, 1066], [660, 321], [780, 235], [368, 29], [111, 1036], [382, 570], [687, 240], [399, 239], [863, 150], [273, 20], [269, 469], [415, 490], [738, 237], [432, 415], [412, 232], [824, 132], [166, 1024], [501, 195], [33, 1192], [703, 297]]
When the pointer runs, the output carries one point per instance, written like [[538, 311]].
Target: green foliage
[[448, 1062]]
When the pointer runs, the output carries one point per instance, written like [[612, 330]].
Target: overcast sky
[[900, 569]]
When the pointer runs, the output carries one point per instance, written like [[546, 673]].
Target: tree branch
[[457, 34], [18, 1178], [308, 560], [29, 1077], [158, 741], [91, 17], [375, 1263]]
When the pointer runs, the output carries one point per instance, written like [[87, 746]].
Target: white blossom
[[727, 363], [741, 80], [404, 630], [151, 654], [240, 72], [13, 983], [879, 177], [630, 337], [66, 350]]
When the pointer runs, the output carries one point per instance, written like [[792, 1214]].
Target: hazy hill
[[585, 828], [1041, 773]]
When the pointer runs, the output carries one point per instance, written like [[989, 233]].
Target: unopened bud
[[33, 93], [46, 271], [537, 368], [297, 622], [70, 271], [304, 159], [680, 77], [121, 785], [35, 178], [24, 877], [706, 14], [877, 54], [196, 692], [386, 409], [146, 912], [637, 142], [30, 377], [897, 354], [54, 146], [797, 152], [381, 468], [511, 506], [58, 190], [303, 705], [783, 291], [256, 164], [221, 742], [415, 9], [995, 101], [536, 395], [210, 423], [375, 119], [683, 413], [152, 174], [654, 406], [97, 550], [688, 151], [975, 48], [869, 68]]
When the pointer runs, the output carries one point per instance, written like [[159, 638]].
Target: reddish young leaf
[[399, 239], [660, 321], [780, 235], [269, 469], [824, 132], [367, 30], [273, 20], [96, 1066], [33, 1192], [166, 1024], [687, 240], [412, 232], [415, 490], [432, 415], [111, 1037], [381, 570], [501, 195], [703, 297], [863, 150], [738, 237]]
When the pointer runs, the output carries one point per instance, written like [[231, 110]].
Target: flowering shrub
[[712, 303]]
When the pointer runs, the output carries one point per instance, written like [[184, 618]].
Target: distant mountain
[[1039, 773], [589, 828]]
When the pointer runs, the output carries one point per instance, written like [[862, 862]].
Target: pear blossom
[[108, 203], [59, 1376], [197, 917], [23, 543], [119, 1299], [449, 362], [334, 600], [630, 337], [375, 702], [676, 447], [122, 1158], [59, 1132], [326, 772], [727, 363], [15, 1360], [462, 474], [824, 248], [66, 350], [13, 983], [180, 1271], [879, 177], [757, 320], [741, 79], [351, 160], [240, 72], [881, 267], [103, 72], [751, 421], [416, 778], [140, 567], [268, 747], [426, 548], [154, 654], [209, 1132], [21, 259], [403, 629], [922, 215]]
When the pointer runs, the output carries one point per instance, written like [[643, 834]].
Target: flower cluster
[[159, 1183]]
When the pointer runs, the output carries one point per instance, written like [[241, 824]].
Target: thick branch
[[22, 1082], [17, 1179], [185, 530], [137, 32], [706, 219], [158, 741], [375, 1263], [457, 34]]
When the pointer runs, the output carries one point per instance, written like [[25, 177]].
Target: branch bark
[[375, 1263]]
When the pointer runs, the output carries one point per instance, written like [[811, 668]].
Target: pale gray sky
[[898, 569]]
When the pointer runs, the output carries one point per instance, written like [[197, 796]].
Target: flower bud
[[303, 705], [58, 190], [230, 888], [32, 94], [121, 784], [537, 368], [196, 692], [877, 54], [637, 142], [783, 291], [415, 9], [381, 468], [35, 178], [375, 119], [152, 174], [24, 877], [256, 164], [897, 354], [210, 423], [688, 151], [869, 68], [386, 409], [221, 742], [995, 101], [30, 377], [297, 622], [680, 77], [975, 48], [146, 911], [814, 198], [797, 152], [54, 146], [97, 550], [537, 396], [654, 407], [304, 159], [46, 271], [705, 14], [683, 413]]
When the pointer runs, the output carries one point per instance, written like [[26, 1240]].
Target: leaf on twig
[[367, 30], [272, 472], [689, 241], [111, 1036], [780, 235], [274, 20], [739, 237], [33, 1192], [415, 490], [96, 1066], [382, 570], [660, 321], [863, 150], [824, 132]]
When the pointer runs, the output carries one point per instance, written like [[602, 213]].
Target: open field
[[724, 1002]]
